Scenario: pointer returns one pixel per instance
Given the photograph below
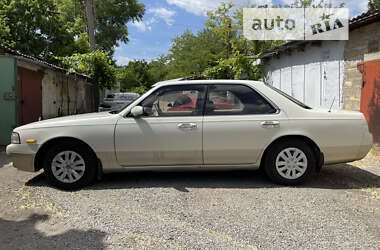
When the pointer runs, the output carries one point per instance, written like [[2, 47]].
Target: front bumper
[[22, 156]]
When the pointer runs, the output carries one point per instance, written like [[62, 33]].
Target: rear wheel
[[290, 162], [70, 166]]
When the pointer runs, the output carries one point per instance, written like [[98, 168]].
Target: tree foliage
[[97, 65], [4, 32], [111, 17], [374, 4], [34, 27], [48, 28], [190, 54], [135, 77], [139, 76], [239, 52]]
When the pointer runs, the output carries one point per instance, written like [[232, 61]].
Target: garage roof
[[5, 50]]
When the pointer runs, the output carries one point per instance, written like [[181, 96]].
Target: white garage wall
[[313, 76]]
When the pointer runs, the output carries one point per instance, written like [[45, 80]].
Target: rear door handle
[[187, 125], [270, 124]]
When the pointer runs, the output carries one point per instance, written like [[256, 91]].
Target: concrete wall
[[313, 74], [361, 47], [64, 94]]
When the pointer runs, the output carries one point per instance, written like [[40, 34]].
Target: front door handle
[[187, 125], [270, 124]]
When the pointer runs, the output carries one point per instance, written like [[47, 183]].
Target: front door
[[169, 133], [238, 123]]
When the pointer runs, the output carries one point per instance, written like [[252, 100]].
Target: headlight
[[15, 138]]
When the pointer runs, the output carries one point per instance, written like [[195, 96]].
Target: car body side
[[342, 136]]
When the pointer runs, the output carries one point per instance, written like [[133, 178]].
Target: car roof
[[178, 82], [123, 93]]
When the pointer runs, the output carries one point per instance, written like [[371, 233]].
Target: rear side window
[[225, 99]]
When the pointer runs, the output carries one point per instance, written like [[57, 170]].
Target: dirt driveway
[[338, 209]]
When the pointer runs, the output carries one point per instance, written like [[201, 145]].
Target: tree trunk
[[90, 23]]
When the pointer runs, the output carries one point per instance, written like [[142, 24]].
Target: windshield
[[291, 98]]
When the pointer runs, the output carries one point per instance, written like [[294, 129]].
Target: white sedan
[[194, 125]]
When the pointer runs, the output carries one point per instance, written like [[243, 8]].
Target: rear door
[[238, 123]]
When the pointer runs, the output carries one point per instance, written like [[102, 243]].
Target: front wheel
[[69, 166], [290, 162]]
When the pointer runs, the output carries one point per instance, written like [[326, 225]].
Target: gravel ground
[[337, 209]]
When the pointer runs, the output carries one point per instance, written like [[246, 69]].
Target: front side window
[[227, 99], [175, 101]]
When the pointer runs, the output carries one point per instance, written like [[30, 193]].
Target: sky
[[166, 19]]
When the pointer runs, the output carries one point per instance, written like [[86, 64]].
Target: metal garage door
[[370, 96], [8, 98], [29, 95]]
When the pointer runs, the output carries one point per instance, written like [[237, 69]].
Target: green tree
[[36, 28], [159, 69], [48, 28], [97, 65], [222, 25], [191, 54], [139, 76], [135, 77], [240, 53], [374, 4], [111, 18], [4, 31]]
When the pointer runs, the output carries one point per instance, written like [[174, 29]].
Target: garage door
[[8, 98]]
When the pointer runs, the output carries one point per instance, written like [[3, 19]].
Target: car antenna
[[331, 105]]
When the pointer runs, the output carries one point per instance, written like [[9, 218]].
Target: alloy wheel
[[291, 163], [68, 166]]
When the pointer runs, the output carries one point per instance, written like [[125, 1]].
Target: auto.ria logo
[[296, 23]]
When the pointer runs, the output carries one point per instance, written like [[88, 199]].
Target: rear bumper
[[366, 145], [22, 157]]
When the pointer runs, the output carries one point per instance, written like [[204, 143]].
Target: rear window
[[291, 98]]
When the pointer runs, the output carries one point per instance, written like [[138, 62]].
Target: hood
[[74, 120]]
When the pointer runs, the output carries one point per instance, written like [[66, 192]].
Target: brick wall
[[362, 42]]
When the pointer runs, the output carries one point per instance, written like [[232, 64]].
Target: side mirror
[[137, 111]]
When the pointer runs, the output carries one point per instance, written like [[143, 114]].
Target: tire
[[290, 162], [76, 171]]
